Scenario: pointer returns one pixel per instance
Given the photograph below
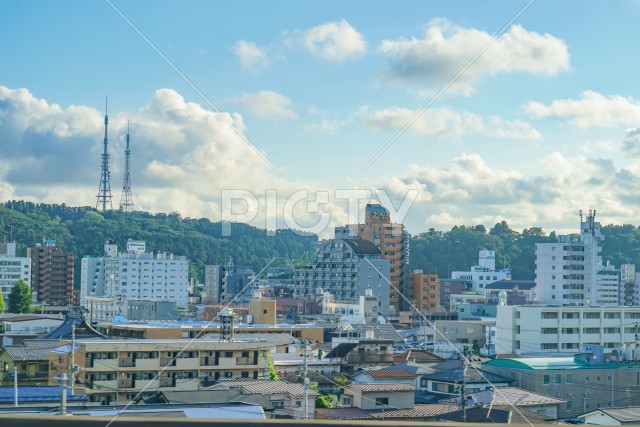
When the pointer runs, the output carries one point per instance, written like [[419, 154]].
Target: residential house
[[286, 398], [379, 396], [362, 354], [385, 376], [508, 397], [31, 358], [449, 382], [613, 416]]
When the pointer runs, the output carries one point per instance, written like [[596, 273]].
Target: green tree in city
[[3, 307], [20, 298]]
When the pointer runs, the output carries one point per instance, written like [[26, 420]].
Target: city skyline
[[540, 125]]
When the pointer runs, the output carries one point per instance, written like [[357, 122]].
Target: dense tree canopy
[[20, 298], [83, 231]]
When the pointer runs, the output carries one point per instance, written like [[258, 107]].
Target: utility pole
[[73, 355], [63, 392], [15, 386], [306, 383], [463, 398]]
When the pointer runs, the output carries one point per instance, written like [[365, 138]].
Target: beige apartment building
[[116, 371]]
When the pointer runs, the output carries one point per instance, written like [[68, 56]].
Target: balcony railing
[[126, 383], [126, 363], [167, 382], [167, 361], [244, 361]]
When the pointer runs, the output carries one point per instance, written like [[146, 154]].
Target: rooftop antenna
[[126, 200], [104, 191]]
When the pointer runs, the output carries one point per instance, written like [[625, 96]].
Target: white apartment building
[[484, 273], [12, 269], [570, 271], [540, 329], [364, 311], [134, 275]]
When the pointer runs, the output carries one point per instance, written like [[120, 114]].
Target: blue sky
[[540, 126]]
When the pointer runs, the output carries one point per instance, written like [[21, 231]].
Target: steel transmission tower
[[126, 199], [104, 192]]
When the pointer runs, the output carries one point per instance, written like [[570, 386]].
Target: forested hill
[[83, 230], [442, 252]]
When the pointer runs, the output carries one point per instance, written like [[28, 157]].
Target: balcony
[[167, 382], [126, 383], [167, 361], [244, 361], [127, 362]]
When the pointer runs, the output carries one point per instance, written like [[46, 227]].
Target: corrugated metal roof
[[471, 376], [509, 396]]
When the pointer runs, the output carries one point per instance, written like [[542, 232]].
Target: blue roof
[[37, 394]]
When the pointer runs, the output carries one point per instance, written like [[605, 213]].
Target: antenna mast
[[104, 191], [126, 200]]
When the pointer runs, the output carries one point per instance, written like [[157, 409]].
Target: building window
[[382, 401], [558, 379], [569, 405], [545, 379], [278, 404], [569, 378], [298, 403]]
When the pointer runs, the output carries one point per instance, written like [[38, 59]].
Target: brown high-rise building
[[394, 243], [424, 291], [52, 274]]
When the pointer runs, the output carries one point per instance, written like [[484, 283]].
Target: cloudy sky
[[468, 114]]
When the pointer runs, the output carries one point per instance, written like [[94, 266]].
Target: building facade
[[346, 268], [12, 269], [570, 271], [394, 243], [52, 274], [222, 283], [425, 292], [484, 273], [529, 330], [134, 275], [118, 370]]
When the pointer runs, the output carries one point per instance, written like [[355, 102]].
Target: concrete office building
[[134, 275], [12, 269], [538, 329], [52, 274], [570, 271], [346, 268]]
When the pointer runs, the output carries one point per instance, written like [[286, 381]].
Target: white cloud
[[446, 48], [267, 104], [250, 55], [592, 109], [330, 42], [446, 122], [472, 192]]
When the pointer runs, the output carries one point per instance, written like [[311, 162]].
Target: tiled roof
[[417, 356], [31, 350], [342, 414], [509, 396], [215, 396], [391, 374], [367, 388], [27, 318], [268, 387], [418, 411], [471, 376], [627, 415]]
